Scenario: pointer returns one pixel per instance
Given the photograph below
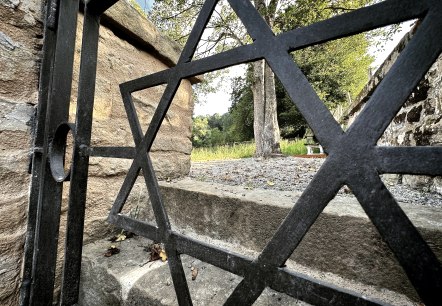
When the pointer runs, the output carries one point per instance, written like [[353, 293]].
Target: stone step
[[129, 279], [342, 247]]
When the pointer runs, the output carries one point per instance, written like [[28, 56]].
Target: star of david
[[353, 159]]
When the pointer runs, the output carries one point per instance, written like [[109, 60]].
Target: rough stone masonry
[[418, 123], [20, 52], [129, 47]]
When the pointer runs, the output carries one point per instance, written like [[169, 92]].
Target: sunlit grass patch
[[243, 150], [289, 147], [235, 151]]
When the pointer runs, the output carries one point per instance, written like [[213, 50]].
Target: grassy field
[[243, 150]]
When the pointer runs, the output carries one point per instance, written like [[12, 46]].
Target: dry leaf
[[194, 273], [163, 255], [120, 237], [156, 252], [270, 183], [112, 251]]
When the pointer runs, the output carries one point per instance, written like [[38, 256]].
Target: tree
[[225, 31], [200, 132], [335, 69], [241, 110]]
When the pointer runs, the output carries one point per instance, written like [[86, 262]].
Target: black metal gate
[[353, 159]]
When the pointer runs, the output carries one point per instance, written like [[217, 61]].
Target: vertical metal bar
[[79, 171], [50, 37], [48, 214]]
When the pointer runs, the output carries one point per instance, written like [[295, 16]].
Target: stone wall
[[418, 123], [20, 45], [129, 47], [120, 60]]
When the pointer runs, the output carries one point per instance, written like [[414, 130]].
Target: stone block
[[343, 241]]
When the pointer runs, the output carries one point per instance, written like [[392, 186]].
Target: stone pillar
[[20, 52]]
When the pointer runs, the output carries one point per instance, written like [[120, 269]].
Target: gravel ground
[[289, 173]]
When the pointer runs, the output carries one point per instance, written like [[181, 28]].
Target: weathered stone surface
[[249, 218], [111, 126], [129, 279], [143, 31], [418, 123], [10, 261], [20, 45]]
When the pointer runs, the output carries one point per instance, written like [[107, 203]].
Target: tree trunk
[[265, 121]]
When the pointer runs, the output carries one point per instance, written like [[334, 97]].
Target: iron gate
[[357, 144]]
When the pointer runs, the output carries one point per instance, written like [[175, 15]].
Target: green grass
[[243, 150], [293, 147]]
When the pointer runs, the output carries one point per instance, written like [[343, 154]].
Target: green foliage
[[200, 132], [210, 131], [335, 69], [241, 110], [177, 17]]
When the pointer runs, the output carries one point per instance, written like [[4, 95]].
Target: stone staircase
[[342, 248]]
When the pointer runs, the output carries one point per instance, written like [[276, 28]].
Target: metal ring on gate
[[57, 152]]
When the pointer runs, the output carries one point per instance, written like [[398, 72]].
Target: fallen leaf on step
[[163, 255], [121, 237], [156, 251], [194, 273], [270, 183], [112, 251]]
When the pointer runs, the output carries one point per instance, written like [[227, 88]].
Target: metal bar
[[143, 160], [336, 171], [98, 7], [134, 123], [361, 20], [410, 67], [125, 189], [314, 292], [297, 223], [297, 285], [197, 31], [224, 259], [299, 89], [145, 143], [141, 154], [409, 160], [413, 253], [293, 40], [113, 152], [301, 92], [225, 59], [80, 164], [50, 37], [48, 215], [144, 229]]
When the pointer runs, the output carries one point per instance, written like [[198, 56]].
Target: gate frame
[[362, 175]]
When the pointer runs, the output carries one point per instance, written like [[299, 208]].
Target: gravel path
[[288, 173]]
